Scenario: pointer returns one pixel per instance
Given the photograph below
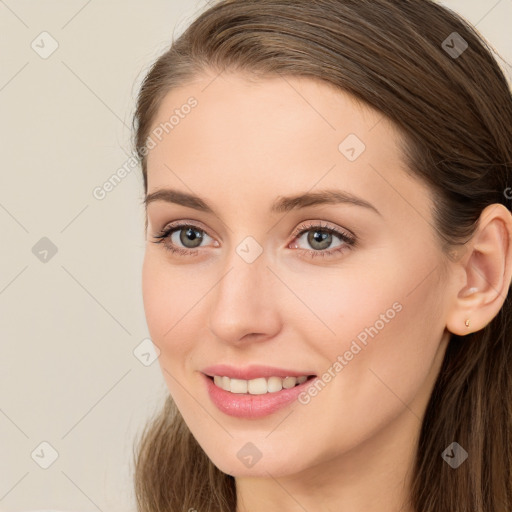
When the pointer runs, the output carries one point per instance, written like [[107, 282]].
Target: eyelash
[[349, 240]]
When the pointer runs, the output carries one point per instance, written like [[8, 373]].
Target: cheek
[[380, 357], [165, 300], [163, 310], [172, 297], [156, 301], [383, 321], [342, 302]]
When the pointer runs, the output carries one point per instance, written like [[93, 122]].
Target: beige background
[[72, 369]]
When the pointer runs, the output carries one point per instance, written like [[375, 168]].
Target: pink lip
[[243, 405], [252, 372]]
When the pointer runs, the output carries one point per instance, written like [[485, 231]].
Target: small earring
[[467, 322]]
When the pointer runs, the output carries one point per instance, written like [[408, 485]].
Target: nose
[[245, 305]]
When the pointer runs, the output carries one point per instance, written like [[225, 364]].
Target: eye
[[184, 239], [320, 237], [187, 234]]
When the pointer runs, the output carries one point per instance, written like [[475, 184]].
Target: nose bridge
[[246, 278], [244, 301]]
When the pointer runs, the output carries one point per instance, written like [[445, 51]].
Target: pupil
[[191, 235], [319, 237]]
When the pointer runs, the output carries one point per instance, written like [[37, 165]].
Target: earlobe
[[487, 269]]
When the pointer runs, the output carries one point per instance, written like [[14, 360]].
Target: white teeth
[[274, 384], [258, 386], [289, 382], [238, 385]]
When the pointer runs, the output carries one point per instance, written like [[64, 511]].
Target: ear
[[485, 269]]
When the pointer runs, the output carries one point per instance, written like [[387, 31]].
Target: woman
[[327, 273]]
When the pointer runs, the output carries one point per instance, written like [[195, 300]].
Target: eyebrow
[[281, 205]]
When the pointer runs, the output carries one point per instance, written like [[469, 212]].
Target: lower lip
[[243, 405]]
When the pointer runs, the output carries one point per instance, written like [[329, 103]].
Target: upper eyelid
[[171, 227], [308, 225]]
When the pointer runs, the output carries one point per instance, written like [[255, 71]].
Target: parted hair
[[402, 58]]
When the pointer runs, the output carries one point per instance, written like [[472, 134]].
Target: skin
[[246, 143]]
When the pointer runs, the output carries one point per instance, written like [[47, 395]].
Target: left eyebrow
[[286, 204], [281, 205]]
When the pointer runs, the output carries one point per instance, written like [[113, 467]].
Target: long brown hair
[[454, 106]]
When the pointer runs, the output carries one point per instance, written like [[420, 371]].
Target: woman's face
[[284, 272]]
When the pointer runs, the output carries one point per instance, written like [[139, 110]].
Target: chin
[[243, 460]]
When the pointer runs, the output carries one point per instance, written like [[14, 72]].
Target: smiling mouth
[[258, 386]]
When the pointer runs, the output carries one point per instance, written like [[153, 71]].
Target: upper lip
[[252, 371]]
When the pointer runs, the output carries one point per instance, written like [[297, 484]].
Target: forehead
[[273, 136], [263, 109]]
